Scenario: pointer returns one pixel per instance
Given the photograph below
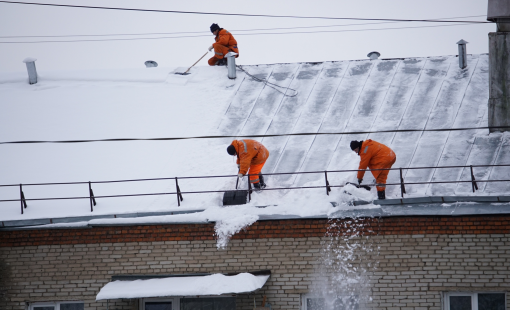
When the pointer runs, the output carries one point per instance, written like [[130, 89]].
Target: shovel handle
[[195, 63]]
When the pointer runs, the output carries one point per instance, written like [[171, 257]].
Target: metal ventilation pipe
[[32, 72], [373, 55], [462, 54], [231, 65]]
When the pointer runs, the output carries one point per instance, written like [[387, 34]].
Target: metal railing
[[179, 194]]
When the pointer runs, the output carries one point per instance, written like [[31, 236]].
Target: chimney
[[462, 54], [373, 55], [499, 12], [499, 64], [32, 72]]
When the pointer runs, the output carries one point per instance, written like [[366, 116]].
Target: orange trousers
[[219, 52], [254, 172], [381, 175]]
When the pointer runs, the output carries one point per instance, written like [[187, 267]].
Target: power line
[[258, 136], [207, 32], [237, 14], [240, 34]]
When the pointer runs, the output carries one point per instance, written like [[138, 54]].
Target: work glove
[[240, 176], [210, 48], [359, 181]]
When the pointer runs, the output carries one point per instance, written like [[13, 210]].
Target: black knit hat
[[355, 144], [214, 27], [231, 150]]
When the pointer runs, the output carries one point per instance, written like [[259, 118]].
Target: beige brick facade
[[412, 270]]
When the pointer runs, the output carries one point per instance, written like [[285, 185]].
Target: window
[[214, 303], [310, 302], [474, 301], [159, 304], [58, 305], [225, 302]]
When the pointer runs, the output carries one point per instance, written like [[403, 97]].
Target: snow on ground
[[155, 102]]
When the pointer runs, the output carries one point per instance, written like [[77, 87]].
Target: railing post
[[92, 198], [473, 183], [22, 198], [179, 195], [249, 188], [328, 189], [402, 186]]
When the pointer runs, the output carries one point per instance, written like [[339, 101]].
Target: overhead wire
[[256, 136], [204, 32], [234, 14], [240, 34]]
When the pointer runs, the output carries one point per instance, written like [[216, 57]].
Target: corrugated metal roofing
[[370, 95]]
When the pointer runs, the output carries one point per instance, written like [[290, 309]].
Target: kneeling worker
[[251, 155], [225, 43], [374, 155]]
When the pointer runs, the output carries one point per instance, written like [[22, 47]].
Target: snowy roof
[[343, 96], [215, 284]]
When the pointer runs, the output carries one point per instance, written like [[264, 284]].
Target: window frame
[[55, 304], [176, 305], [310, 295], [176, 300], [474, 298]]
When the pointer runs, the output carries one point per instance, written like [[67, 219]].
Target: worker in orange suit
[[374, 155], [251, 157], [225, 43]]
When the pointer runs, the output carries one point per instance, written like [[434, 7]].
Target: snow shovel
[[237, 197], [186, 72], [359, 185]]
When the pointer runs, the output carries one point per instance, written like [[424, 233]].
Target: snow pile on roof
[[215, 284], [333, 97]]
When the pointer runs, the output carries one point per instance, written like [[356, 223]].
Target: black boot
[[222, 62], [381, 195], [262, 183]]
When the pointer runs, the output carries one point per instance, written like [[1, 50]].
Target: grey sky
[[24, 20]]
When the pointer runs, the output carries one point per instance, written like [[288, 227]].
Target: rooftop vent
[[462, 54], [151, 64], [32, 72], [373, 55]]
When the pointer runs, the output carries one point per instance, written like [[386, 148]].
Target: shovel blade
[[237, 197]]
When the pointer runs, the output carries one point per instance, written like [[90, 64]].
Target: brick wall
[[259, 230], [417, 259]]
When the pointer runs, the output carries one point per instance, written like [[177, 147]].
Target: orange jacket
[[225, 38], [374, 155], [249, 152]]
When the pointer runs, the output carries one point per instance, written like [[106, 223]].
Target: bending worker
[[225, 43], [374, 155], [251, 155]]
